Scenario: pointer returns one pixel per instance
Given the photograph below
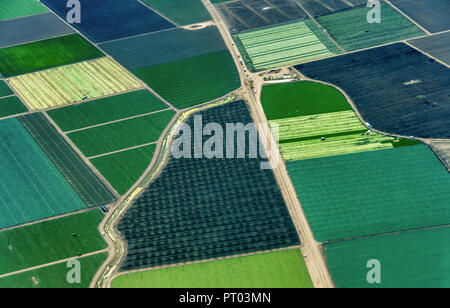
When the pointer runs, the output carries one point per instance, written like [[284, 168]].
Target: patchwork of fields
[[71, 83], [284, 45], [183, 12], [282, 269], [15, 9]]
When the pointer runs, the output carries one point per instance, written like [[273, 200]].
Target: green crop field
[[51, 240], [294, 99], [351, 30], [70, 83], [32, 188], [372, 192], [284, 45], [4, 89], [189, 82], [283, 269], [105, 110], [123, 169], [121, 135], [414, 259], [183, 12], [10, 106], [27, 58], [55, 276], [14, 9]]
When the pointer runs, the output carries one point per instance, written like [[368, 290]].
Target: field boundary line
[[123, 150], [9, 19], [35, 41], [116, 121], [249, 254], [159, 13], [409, 18], [427, 54], [53, 263]]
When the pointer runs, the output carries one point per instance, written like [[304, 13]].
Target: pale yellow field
[[70, 83]]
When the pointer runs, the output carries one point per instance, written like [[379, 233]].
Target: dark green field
[[50, 241], [4, 89], [10, 106], [105, 110], [373, 192], [351, 30], [183, 12], [189, 82], [121, 135], [123, 169], [414, 259], [45, 54], [55, 276], [304, 98]]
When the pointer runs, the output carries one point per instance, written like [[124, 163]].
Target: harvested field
[[415, 259], [351, 30], [69, 84], [183, 12], [15, 9], [54, 276], [32, 28], [396, 89], [245, 15], [106, 110], [4, 89], [123, 169], [437, 46], [373, 192], [282, 269], [207, 208], [442, 150], [106, 20], [296, 99], [121, 135], [326, 7], [284, 45], [430, 14], [162, 47], [10, 106], [41, 55], [189, 82], [50, 241], [82, 179], [31, 187]]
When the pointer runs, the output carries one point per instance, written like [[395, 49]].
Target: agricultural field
[[351, 30], [438, 46], [4, 89], [326, 7], [32, 28], [105, 110], [15, 9], [163, 47], [50, 241], [294, 99], [189, 82], [373, 192], [106, 20], [183, 12], [282, 269], [123, 169], [284, 45], [93, 79], [199, 209], [55, 276], [413, 259], [409, 93], [32, 188], [82, 179], [245, 15], [121, 135], [41, 55], [430, 14], [11, 106], [442, 150]]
